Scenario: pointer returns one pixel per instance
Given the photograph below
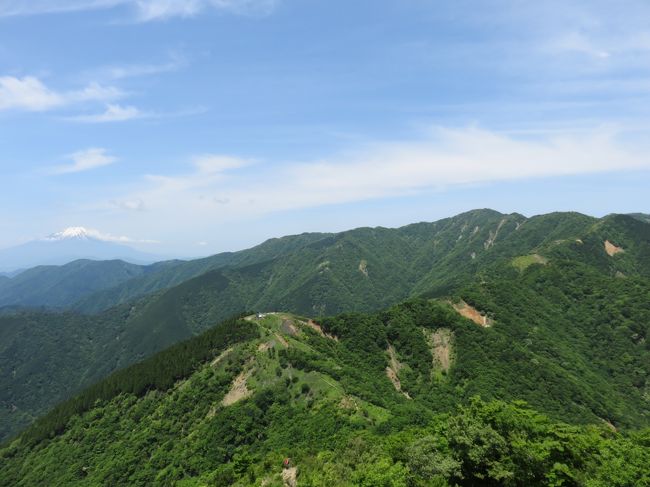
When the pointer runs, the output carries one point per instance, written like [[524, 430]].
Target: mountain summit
[[68, 245], [79, 233]]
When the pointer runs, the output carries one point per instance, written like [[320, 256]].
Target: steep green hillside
[[62, 286], [46, 357], [93, 286], [359, 399], [169, 274], [644, 217], [368, 269]]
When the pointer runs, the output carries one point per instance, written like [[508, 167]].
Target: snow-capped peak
[[79, 233], [82, 233]]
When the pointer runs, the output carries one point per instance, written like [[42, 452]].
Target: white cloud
[[145, 10], [113, 113], [85, 160], [445, 158], [29, 93], [34, 7]]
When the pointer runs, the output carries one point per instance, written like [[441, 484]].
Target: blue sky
[[196, 126]]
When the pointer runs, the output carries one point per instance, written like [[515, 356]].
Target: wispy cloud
[[113, 113], [85, 160], [36, 7], [144, 10], [119, 72], [578, 43], [223, 189], [29, 93]]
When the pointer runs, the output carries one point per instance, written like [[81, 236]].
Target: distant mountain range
[[51, 355], [71, 244], [409, 326]]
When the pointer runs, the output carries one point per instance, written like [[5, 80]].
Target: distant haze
[[70, 244]]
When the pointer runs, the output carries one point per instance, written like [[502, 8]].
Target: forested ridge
[[227, 407], [567, 314]]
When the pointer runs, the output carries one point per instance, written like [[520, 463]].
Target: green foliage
[[159, 372], [546, 326], [334, 412], [63, 286]]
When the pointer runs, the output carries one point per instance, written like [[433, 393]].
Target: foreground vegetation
[[227, 407]]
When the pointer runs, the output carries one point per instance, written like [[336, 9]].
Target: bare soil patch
[[392, 371], [238, 390], [493, 235], [289, 328], [472, 313], [441, 346], [363, 267], [612, 249], [318, 329], [289, 477]]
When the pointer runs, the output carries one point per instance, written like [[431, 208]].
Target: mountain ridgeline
[[567, 296], [386, 398]]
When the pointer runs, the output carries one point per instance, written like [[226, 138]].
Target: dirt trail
[[612, 249], [281, 340], [221, 357], [289, 477], [472, 313]]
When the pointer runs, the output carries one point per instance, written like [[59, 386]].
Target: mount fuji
[[68, 245]]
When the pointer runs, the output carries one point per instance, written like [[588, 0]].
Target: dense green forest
[[560, 300], [357, 399], [63, 286]]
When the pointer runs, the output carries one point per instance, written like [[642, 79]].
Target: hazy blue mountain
[[61, 286], [69, 245], [98, 285]]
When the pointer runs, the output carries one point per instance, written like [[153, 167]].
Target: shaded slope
[[62, 286]]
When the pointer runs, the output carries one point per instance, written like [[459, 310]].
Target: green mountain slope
[[93, 286], [62, 286], [644, 217], [46, 357], [359, 399], [172, 273], [365, 270]]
